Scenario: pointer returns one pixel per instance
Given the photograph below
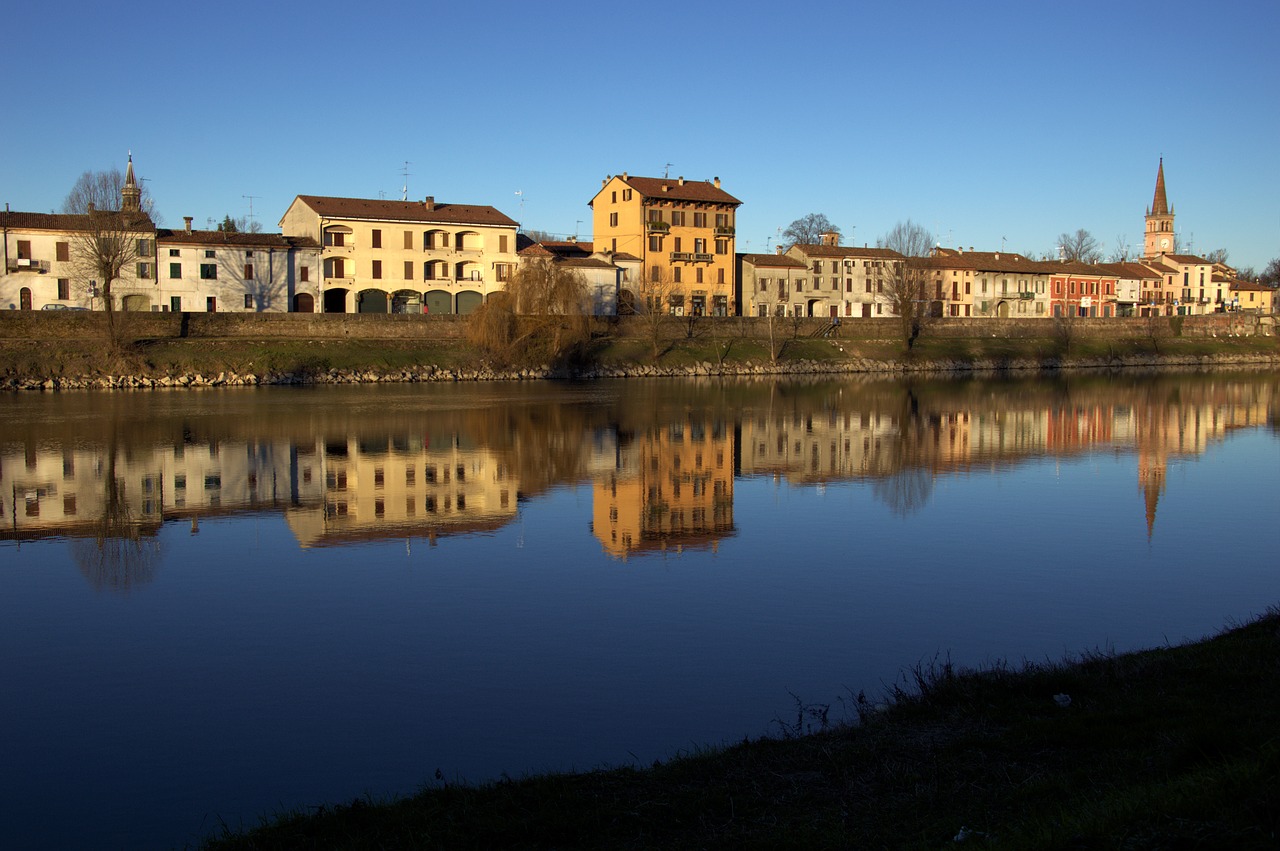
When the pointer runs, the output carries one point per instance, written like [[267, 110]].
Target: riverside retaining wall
[[78, 325]]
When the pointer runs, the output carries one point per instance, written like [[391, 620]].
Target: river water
[[217, 605]]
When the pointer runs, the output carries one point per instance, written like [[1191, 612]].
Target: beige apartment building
[[211, 271], [683, 233], [764, 283], [404, 256], [844, 280]]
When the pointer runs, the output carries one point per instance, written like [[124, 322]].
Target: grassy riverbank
[[64, 359], [1170, 748]]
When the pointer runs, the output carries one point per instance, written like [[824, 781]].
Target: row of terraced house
[[659, 243]]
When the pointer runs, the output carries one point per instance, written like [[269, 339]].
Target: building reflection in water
[[661, 460]]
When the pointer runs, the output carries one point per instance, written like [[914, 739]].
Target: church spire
[[1160, 204], [130, 194]]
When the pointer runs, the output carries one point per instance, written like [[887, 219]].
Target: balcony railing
[[27, 265], [699, 257], [686, 256], [657, 226], [722, 230]]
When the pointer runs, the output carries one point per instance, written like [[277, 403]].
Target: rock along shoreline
[[430, 373]]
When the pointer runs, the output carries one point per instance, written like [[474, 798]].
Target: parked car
[[55, 306]]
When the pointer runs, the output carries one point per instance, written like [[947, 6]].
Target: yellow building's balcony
[[699, 257], [682, 256], [724, 230], [657, 226]]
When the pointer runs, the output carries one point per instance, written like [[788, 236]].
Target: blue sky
[[993, 124]]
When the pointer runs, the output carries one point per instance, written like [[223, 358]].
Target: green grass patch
[[1168, 748]]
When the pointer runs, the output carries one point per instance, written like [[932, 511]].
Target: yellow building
[[683, 232], [404, 256]]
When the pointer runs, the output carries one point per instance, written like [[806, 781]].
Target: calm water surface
[[217, 605]]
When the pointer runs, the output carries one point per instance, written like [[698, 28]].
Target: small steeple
[[1160, 204], [130, 195]]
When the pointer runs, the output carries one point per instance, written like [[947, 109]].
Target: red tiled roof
[[376, 210], [15, 220], [690, 190], [215, 237], [773, 261], [1186, 259], [1128, 270], [817, 250]]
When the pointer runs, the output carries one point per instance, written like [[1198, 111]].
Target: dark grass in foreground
[[1171, 748]]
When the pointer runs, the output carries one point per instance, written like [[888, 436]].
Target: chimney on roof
[[92, 207], [624, 175], [665, 188], [778, 249], [680, 180], [830, 238], [187, 220], [716, 181], [429, 202]]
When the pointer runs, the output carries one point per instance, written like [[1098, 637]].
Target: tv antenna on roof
[[404, 172], [666, 172], [251, 197], [520, 195]]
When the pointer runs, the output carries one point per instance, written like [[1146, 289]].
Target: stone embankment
[[858, 366]]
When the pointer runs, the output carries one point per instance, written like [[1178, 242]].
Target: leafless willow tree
[[543, 314], [112, 232], [1080, 245], [1121, 252], [906, 282]]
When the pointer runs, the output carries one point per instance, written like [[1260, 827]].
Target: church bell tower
[[1159, 237]]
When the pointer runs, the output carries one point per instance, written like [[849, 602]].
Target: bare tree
[[808, 230], [1218, 255], [113, 231], [1271, 275], [544, 314], [905, 281], [1080, 245], [1121, 252], [653, 294]]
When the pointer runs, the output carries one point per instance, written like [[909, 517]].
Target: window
[[408, 270], [700, 246], [175, 270], [722, 246], [248, 255], [613, 197], [146, 246], [722, 220], [655, 273], [677, 218], [675, 274], [211, 304], [24, 249], [336, 238], [375, 239], [144, 270], [304, 274], [699, 220], [248, 301], [613, 220], [377, 268], [209, 254], [626, 195], [64, 289], [675, 243], [248, 271], [719, 276], [655, 243], [208, 271], [698, 275], [502, 243], [175, 303], [62, 251]]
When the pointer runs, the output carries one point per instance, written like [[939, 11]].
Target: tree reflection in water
[[121, 553]]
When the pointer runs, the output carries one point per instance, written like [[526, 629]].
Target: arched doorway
[[437, 302], [468, 301], [24, 298], [304, 303], [1002, 310], [406, 301], [136, 303], [335, 301], [371, 301]]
